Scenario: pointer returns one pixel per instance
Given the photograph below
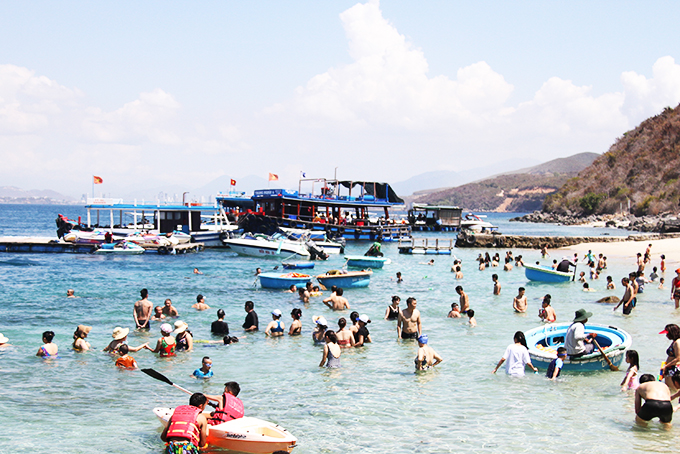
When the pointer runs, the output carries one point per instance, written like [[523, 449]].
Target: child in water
[[610, 283], [661, 282], [471, 317], [125, 361], [555, 366], [205, 370], [630, 381]]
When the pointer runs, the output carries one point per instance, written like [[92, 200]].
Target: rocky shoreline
[[663, 223]]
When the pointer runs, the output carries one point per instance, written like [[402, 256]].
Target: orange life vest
[[233, 409], [183, 424]]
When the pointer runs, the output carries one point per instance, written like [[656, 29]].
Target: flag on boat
[[273, 177], [98, 180], [233, 182], [304, 175]]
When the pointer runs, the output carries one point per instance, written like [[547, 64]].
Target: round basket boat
[[546, 274], [347, 279], [544, 341], [282, 281]]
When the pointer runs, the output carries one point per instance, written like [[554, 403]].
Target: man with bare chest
[[142, 311], [408, 323], [336, 301], [464, 300]]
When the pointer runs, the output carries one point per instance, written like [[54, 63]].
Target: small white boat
[[259, 245], [245, 434], [122, 248], [476, 224]]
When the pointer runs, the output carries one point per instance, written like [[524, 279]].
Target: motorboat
[[282, 281], [345, 279], [475, 223], [121, 248], [260, 245], [546, 274], [249, 435], [365, 261], [544, 341], [90, 237]]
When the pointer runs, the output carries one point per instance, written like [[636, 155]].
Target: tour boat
[[250, 435], [544, 341], [546, 274], [364, 261], [277, 280], [345, 279]]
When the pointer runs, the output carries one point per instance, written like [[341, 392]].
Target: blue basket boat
[[364, 261], [283, 281], [347, 279], [298, 265], [544, 341], [546, 274]]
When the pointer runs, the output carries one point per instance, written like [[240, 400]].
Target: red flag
[[98, 180], [273, 177], [233, 182]]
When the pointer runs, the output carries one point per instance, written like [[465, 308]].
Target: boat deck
[[426, 246], [42, 245]]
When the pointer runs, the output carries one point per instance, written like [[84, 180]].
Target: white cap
[[277, 312]]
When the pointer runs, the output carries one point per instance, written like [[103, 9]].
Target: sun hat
[[166, 328], [422, 339], [180, 326], [3, 339], [83, 329], [120, 333], [581, 315], [319, 320], [364, 318], [277, 312]]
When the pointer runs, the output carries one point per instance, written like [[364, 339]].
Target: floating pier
[[426, 246], [38, 245]]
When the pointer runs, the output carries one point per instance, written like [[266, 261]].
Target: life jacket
[[233, 409], [183, 424]]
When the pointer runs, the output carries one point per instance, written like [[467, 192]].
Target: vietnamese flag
[[233, 182], [273, 177], [98, 180]]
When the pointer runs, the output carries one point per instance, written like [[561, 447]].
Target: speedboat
[[90, 237], [122, 248], [544, 341], [278, 280], [365, 261], [260, 245], [245, 434], [475, 223], [546, 274], [345, 279]]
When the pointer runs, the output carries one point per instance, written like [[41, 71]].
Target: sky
[[151, 94]]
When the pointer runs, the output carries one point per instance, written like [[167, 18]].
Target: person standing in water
[[464, 300], [200, 304], [331, 351], [408, 322], [79, 342], [426, 356], [275, 327], [657, 404], [142, 310], [251, 323], [519, 303], [517, 357], [49, 349], [392, 311]]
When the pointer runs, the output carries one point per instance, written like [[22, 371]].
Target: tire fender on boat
[[163, 250], [470, 239]]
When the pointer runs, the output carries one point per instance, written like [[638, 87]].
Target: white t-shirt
[[516, 357], [574, 339]]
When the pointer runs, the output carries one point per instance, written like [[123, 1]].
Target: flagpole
[[93, 186]]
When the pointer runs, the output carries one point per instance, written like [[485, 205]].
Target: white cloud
[[647, 97]]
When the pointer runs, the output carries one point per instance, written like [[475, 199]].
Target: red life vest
[[183, 424], [233, 409]]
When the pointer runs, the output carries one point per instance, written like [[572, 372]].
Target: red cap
[[678, 270], [664, 332]]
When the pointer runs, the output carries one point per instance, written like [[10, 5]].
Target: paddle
[[160, 377], [611, 366], [574, 276]]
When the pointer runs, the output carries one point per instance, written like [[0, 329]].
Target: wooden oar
[[611, 366], [158, 376]]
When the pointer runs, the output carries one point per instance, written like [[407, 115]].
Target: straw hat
[[120, 333], [319, 320], [3, 339], [84, 329], [180, 326]]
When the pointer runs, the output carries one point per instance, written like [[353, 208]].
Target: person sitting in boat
[[228, 405], [564, 265], [577, 342], [374, 250], [187, 429]]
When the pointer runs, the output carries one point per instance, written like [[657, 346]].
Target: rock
[[609, 300]]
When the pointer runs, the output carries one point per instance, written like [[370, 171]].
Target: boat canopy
[[378, 190]]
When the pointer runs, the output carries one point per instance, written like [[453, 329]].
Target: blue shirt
[[198, 373]]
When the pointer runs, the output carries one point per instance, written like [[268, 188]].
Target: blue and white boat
[[121, 248], [544, 341], [283, 281], [345, 279], [364, 261], [546, 274], [297, 265]]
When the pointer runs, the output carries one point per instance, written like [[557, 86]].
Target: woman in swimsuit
[[344, 335], [183, 338], [296, 326], [49, 349], [319, 329], [672, 332], [355, 325], [392, 312], [166, 344], [331, 351], [79, 342], [275, 327]]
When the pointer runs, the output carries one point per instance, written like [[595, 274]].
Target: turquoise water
[[375, 403]]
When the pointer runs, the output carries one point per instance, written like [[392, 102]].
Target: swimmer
[[409, 325], [304, 295], [200, 304], [455, 311], [79, 342], [508, 264], [496, 284], [157, 314], [258, 271], [331, 351], [169, 310], [336, 301], [472, 321], [125, 361], [251, 323], [205, 371], [661, 282], [183, 337], [219, 327], [344, 335], [275, 327], [459, 273], [519, 303], [320, 327], [166, 343], [610, 283], [296, 325], [426, 356], [631, 381], [291, 289], [48, 349], [196, 271], [582, 276], [547, 313], [392, 311], [464, 300], [399, 279], [70, 293], [586, 288], [362, 336]]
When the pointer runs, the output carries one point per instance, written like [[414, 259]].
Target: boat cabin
[[435, 217]]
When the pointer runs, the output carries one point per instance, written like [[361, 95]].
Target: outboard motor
[[315, 251]]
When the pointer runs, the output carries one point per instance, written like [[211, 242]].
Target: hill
[[518, 190], [642, 168]]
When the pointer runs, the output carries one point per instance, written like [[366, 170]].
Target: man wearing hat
[[577, 342]]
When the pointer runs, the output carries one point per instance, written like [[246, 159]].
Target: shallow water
[[375, 403]]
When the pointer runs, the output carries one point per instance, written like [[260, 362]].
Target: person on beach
[[331, 351], [631, 381], [555, 366], [392, 311], [464, 300], [362, 336], [426, 357], [662, 264], [496, 284], [205, 371], [670, 367], [610, 283], [183, 337], [627, 299], [517, 357], [70, 293], [276, 327], [344, 335], [408, 322], [320, 328], [169, 310], [166, 344], [219, 327], [141, 311], [251, 323], [657, 404], [519, 303], [79, 342], [454, 312], [187, 429], [675, 288], [229, 406], [336, 301], [119, 338], [472, 321], [125, 361], [157, 314], [547, 313], [49, 349], [296, 325], [577, 341], [200, 304]]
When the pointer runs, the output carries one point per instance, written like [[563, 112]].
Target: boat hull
[[543, 274], [544, 341], [353, 279], [298, 266], [250, 435], [361, 261], [283, 281], [111, 249], [259, 248]]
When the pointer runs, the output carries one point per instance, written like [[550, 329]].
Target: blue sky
[[156, 93]]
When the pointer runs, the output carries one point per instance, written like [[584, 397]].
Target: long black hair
[[519, 338], [634, 358]]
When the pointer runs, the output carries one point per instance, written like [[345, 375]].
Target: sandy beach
[[670, 247]]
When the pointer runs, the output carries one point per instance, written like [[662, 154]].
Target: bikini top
[[278, 328]]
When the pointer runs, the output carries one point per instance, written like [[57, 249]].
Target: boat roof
[[119, 204], [424, 206], [339, 201]]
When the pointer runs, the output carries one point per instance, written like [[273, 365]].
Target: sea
[[374, 403]]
